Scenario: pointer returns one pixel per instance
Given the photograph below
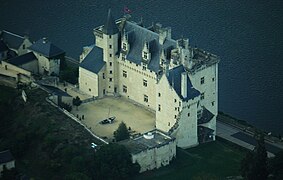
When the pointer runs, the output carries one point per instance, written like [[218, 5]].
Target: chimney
[[184, 89], [44, 40], [163, 34]]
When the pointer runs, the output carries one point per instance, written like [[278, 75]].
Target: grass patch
[[215, 160]]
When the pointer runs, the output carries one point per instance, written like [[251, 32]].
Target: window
[[89, 89], [202, 80], [24, 46], [212, 103], [110, 46], [175, 116], [145, 98], [110, 55], [103, 76], [189, 114], [110, 36], [123, 57], [110, 72], [125, 74], [159, 94], [145, 55], [159, 107], [168, 123], [144, 67], [125, 89], [175, 100], [145, 83], [124, 46], [110, 79], [110, 63], [213, 79], [201, 96]]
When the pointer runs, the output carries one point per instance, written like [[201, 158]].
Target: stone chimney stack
[[163, 34], [184, 90]]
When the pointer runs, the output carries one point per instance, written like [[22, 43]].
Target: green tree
[[122, 132], [254, 165], [113, 161], [276, 166], [77, 102]]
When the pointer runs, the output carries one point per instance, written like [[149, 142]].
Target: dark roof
[[3, 46], [6, 156], [12, 40], [205, 117], [94, 60], [55, 91], [205, 130], [23, 59], [140, 143], [137, 36], [46, 48], [174, 79], [110, 26]]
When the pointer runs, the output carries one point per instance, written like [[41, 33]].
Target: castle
[[144, 64]]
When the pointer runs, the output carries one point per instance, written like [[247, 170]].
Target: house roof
[[23, 59], [12, 40], [141, 143], [6, 156], [205, 117], [55, 91], [137, 36], [174, 79], [94, 60], [46, 48], [110, 26], [3, 46]]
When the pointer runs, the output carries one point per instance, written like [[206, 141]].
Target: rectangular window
[[103, 76], [110, 63], [175, 100], [110, 36], [159, 94], [201, 96], [110, 72], [89, 89], [145, 55], [125, 74], [145, 98], [110, 46], [159, 107], [125, 90], [124, 46], [213, 79], [144, 67], [168, 123], [110, 79], [110, 55], [188, 114], [202, 80], [123, 57], [212, 103], [145, 83]]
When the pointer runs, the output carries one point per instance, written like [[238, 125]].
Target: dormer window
[[145, 55], [124, 46]]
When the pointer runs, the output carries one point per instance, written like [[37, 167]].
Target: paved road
[[237, 136]]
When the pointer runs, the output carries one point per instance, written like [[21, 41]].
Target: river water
[[246, 35]]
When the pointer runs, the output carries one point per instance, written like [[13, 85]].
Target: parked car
[[108, 120]]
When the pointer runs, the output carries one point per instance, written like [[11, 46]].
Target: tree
[[122, 132], [276, 166], [254, 165], [77, 102], [113, 161]]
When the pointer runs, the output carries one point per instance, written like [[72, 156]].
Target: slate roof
[[110, 26], [205, 117], [174, 79], [56, 91], [46, 48], [137, 36], [6, 156], [94, 60], [12, 40], [23, 59], [3, 46]]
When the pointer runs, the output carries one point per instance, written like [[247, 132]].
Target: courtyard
[[139, 119]]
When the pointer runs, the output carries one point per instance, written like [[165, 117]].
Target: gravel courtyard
[[138, 118]]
